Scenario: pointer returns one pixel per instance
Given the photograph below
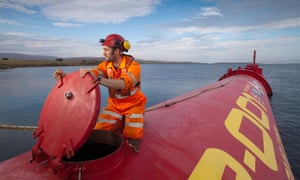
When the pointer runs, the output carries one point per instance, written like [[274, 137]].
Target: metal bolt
[[68, 95]]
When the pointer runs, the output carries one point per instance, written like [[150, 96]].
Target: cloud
[[286, 23], [64, 24], [16, 6], [99, 11], [209, 11], [16, 42], [86, 11], [9, 21], [276, 25]]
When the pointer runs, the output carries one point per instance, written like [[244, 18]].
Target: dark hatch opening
[[100, 144]]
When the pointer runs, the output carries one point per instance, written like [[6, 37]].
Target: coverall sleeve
[[132, 77], [100, 68]]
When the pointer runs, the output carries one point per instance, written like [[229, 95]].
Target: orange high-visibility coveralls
[[123, 104]]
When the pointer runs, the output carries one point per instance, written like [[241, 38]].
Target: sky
[[204, 31]]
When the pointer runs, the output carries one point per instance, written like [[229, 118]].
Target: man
[[126, 103]]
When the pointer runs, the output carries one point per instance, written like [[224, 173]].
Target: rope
[[28, 128]]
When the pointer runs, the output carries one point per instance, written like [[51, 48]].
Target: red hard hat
[[115, 41]]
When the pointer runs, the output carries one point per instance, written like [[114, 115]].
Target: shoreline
[[14, 63]]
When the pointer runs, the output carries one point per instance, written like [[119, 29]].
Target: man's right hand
[[58, 74], [83, 71]]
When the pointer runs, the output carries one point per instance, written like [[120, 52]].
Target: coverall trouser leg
[[124, 113]]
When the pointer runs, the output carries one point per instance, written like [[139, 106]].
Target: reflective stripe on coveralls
[[109, 119], [132, 78], [136, 115], [112, 121], [135, 124], [111, 113]]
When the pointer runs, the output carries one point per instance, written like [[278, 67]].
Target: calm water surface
[[24, 90]]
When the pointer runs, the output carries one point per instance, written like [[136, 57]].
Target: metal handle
[[93, 87], [61, 81]]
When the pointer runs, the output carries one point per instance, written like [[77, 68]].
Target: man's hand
[[58, 74], [83, 71]]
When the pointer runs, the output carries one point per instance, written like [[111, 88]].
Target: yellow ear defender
[[126, 45]]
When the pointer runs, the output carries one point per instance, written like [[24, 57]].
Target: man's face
[[109, 53]]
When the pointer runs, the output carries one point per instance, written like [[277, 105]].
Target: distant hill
[[83, 59], [19, 56]]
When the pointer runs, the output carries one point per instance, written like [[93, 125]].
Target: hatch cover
[[69, 115]]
